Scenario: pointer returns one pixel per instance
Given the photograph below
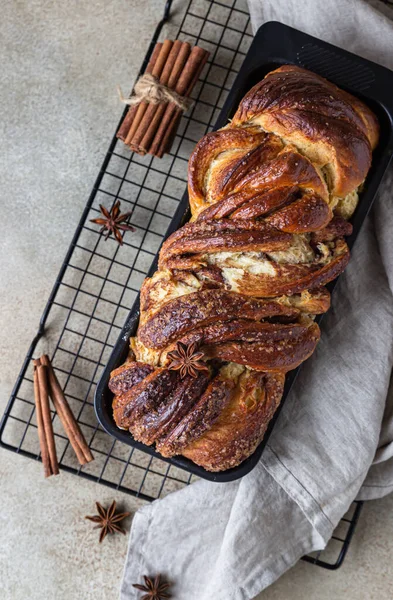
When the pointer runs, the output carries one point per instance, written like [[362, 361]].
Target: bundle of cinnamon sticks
[[46, 384], [151, 127]]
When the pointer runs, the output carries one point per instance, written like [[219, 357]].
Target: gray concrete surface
[[61, 63]]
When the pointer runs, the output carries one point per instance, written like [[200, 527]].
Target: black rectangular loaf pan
[[274, 45]]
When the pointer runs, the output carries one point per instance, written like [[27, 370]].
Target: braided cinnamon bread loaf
[[231, 308]]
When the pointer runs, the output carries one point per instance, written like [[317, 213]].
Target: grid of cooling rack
[[99, 279]]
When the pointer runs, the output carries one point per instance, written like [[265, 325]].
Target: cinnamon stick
[[169, 139], [170, 76], [46, 416], [126, 124], [41, 428], [184, 87], [135, 113], [151, 127], [136, 137], [146, 122], [66, 416]]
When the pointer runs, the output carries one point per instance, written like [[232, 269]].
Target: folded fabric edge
[[374, 492], [132, 573], [306, 540], [280, 564], [298, 493]]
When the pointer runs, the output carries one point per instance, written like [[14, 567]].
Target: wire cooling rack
[[99, 279]]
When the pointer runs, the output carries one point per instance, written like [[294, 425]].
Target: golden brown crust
[[200, 418], [311, 302], [219, 236], [241, 425], [128, 375], [270, 177], [369, 125], [170, 409], [198, 243], [238, 287], [267, 347], [263, 346], [139, 399], [243, 149], [328, 125], [214, 143], [294, 278], [200, 309]]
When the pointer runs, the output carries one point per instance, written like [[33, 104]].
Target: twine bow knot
[[149, 88]]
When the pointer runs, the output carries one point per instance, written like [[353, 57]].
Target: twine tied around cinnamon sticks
[[150, 124], [149, 88]]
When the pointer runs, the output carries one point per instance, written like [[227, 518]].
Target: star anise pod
[[187, 360], [107, 520], [113, 222], [154, 588]]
